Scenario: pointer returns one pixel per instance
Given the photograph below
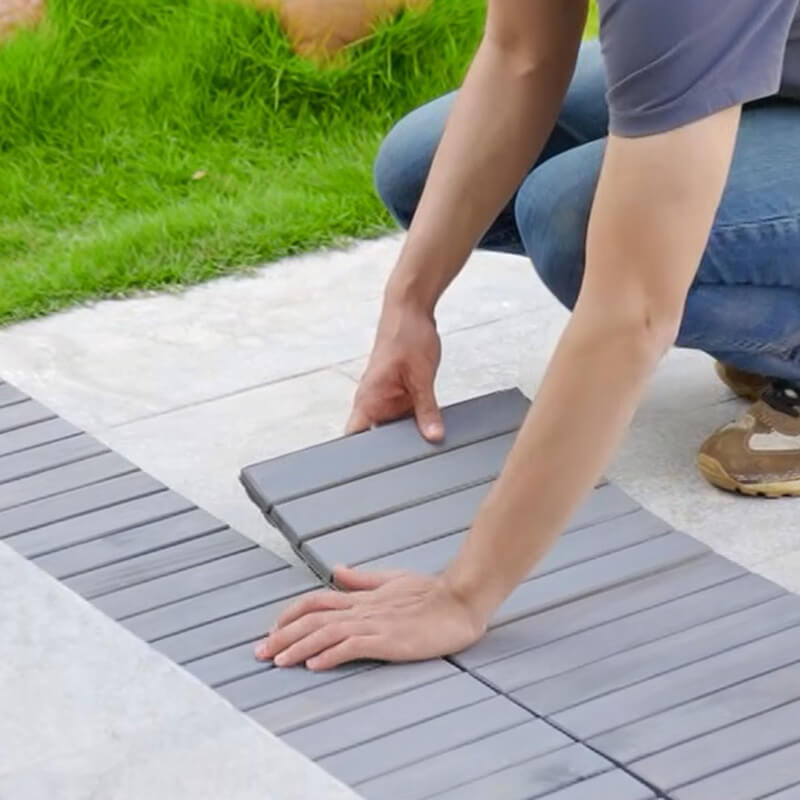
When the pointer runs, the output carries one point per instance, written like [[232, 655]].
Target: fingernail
[[261, 651], [433, 430], [280, 659]]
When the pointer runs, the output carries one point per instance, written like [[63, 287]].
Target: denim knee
[[404, 158], [552, 212]]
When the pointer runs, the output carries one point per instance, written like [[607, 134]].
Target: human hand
[[387, 616], [400, 374]]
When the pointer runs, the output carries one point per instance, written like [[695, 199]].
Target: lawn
[[155, 143]]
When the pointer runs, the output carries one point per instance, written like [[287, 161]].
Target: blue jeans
[[744, 305]]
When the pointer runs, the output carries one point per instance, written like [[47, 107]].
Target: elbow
[[646, 329]]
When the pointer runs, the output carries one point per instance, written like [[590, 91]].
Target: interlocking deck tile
[[78, 501], [640, 663], [617, 785], [790, 793], [363, 683], [359, 500], [21, 414], [215, 604], [612, 605], [133, 541], [447, 732], [54, 482], [442, 522], [317, 468], [120, 575], [227, 665], [51, 430], [222, 634], [678, 686], [10, 395], [380, 718], [454, 760], [48, 456], [230, 570], [269, 686], [704, 715], [759, 778], [95, 524], [722, 749], [590, 577], [536, 777], [566, 655]]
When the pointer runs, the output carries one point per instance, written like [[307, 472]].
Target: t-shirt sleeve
[[672, 62]]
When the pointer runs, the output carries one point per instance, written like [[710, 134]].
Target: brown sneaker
[[745, 384], [759, 454]]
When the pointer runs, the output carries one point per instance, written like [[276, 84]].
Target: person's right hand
[[399, 377]]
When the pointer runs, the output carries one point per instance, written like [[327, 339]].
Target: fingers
[[319, 641], [356, 580], [355, 648], [315, 601], [429, 417]]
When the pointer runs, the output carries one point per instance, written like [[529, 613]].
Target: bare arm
[[497, 128], [652, 216], [499, 124]]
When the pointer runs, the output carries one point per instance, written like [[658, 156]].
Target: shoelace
[[784, 397]]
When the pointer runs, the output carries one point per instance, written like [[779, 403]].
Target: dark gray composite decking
[[632, 664]]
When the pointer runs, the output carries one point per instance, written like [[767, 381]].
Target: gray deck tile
[[48, 456], [51, 430]]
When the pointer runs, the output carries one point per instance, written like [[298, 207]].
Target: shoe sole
[[738, 388], [717, 475]]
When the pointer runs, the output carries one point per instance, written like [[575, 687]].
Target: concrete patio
[[194, 385]]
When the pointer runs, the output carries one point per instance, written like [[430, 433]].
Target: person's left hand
[[387, 616]]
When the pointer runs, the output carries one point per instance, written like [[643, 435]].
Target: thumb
[[429, 417], [356, 580]]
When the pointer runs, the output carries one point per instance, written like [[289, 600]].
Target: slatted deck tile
[[631, 659]]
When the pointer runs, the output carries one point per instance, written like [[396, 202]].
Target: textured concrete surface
[[90, 711], [192, 386]]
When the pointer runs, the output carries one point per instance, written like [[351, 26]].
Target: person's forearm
[[586, 402], [499, 124]]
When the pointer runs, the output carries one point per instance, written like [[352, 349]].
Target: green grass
[[108, 110]]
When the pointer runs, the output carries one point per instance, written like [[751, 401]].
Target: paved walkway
[[194, 385]]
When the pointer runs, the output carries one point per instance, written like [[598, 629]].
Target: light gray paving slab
[[604, 572], [22, 414], [73, 476], [607, 606], [392, 490], [128, 543], [121, 575], [440, 735], [176, 586], [723, 749], [78, 501], [325, 697], [95, 524], [681, 685], [51, 430], [703, 641], [347, 459], [617, 785], [535, 778], [753, 779], [467, 760], [569, 653], [701, 716], [48, 456], [215, 604], [382, 717]]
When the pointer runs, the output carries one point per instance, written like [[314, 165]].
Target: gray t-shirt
[[672, 62]]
